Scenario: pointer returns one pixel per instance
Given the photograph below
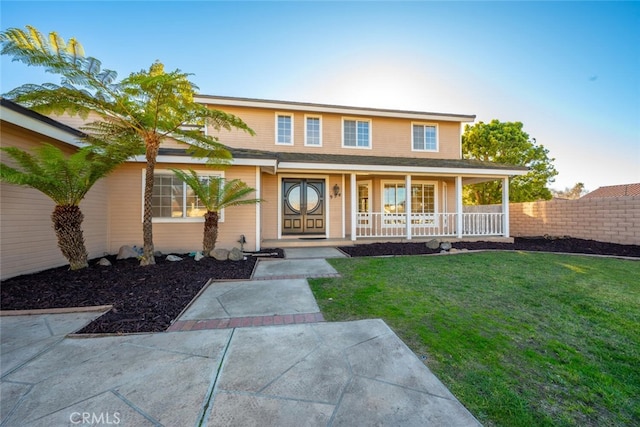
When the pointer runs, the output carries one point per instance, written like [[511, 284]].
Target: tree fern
[[142, 109], [65, 180], [215, 194]]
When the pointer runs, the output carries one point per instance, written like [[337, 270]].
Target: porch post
[[459, 206], [258, 207], [505, 206], [354, 202], [407, 204]]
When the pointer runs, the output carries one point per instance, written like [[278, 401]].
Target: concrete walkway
[[217, 369]]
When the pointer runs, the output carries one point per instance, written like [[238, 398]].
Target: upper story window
[[174, 200], [424, 137], [284, 129], [313, 131], [356, 133]]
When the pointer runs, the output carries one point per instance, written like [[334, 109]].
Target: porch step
[[305, 243]]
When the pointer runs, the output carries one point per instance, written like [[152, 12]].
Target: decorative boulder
[[433, 244], [198, 256], [127, 252], [236, 255], [173, 258], [104, 262], [445, 246], [219, 254]]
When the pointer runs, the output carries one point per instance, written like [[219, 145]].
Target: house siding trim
[[444, 171]]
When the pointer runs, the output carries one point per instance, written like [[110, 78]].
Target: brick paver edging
[[245, 322]]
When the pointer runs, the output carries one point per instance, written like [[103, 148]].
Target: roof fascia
[[335, 109], [400, 169], [40, 127]]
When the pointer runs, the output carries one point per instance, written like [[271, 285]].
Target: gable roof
[[328, 108], [614, 191]]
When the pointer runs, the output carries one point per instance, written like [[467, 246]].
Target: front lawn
[[521, 339]]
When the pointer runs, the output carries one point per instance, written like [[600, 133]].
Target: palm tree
[[66, 180], [215, 194], [140, 111]]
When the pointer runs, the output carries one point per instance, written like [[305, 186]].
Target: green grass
[[522, 339]]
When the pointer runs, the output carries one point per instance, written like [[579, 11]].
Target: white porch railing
[[380, 224]]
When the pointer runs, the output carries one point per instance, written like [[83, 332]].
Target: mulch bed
[[148, 299], [545, 244], [144, 299]]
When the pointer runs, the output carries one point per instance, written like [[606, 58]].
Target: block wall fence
[[606, 219]]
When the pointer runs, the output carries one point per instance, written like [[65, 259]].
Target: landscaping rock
[[433, 244], [173, 258], [445, 246], [198, 256], [157, 254], [127, 252], [104, 262], [219, 254], [236, 255]]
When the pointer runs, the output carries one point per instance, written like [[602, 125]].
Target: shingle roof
[[614, 191], [340, 159]]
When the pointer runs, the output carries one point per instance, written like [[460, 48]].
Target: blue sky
[[569, 71]]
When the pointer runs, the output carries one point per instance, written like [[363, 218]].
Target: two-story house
[[327, 174]]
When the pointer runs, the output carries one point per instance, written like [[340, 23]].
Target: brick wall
[[610, 219]]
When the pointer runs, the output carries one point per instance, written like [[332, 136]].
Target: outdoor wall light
[[336, 191], [242, 241]]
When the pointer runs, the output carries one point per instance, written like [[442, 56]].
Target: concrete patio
[[303, 372]]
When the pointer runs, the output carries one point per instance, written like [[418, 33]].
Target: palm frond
[[64, 179], [217, 193]]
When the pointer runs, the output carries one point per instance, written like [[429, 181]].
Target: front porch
[[322, 242], [383, 224]]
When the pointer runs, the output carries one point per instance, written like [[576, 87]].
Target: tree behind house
[[142, 110], [507, 143], [215, 194], [66, 181]]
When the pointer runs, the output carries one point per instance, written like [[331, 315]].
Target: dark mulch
[[546, 244], [148, 299], [144, 299]]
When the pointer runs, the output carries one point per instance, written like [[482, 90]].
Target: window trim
[[291, 116], [358, 119], [180, 220], [391, 220], [306, 138], [425, 150]]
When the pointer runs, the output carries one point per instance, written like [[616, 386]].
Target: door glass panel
[[293, 198], [313, 199]]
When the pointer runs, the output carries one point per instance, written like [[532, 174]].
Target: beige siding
[[28, 242], [270, 206], [390, 136], [125, 212]]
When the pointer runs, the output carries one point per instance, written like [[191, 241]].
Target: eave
[[18, 115], [333, 109]]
